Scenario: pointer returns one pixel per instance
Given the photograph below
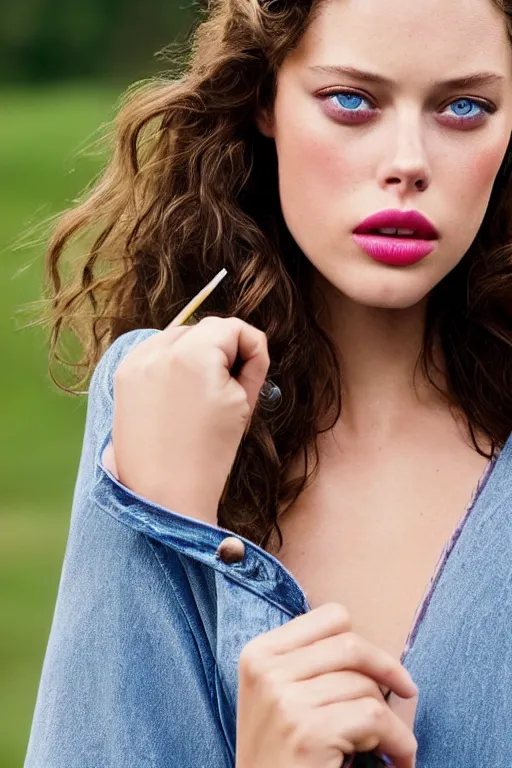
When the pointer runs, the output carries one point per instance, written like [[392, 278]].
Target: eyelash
[[485, 106]]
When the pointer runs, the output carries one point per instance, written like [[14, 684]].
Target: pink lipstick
[[397, 238]]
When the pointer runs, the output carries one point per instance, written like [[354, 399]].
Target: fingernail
[[387, 760]]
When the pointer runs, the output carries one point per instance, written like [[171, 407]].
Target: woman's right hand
[[179, 414], [309, 695]]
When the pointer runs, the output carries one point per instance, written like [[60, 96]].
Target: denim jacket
[[141, 665]]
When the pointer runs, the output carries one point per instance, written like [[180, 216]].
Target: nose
[[406, 165]]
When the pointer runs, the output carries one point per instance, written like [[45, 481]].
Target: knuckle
[[284, 707], [374, 712], [175, 356], [339, 615], [368, 687], [263, 340], [408, 746], [409, 743], [147, 363], [272, 682], [251, 662], [245, 410], [390, 667], [257, 334], [238, 397], [266, 357], [351, 646], [122, 372], [243, 404], [180, 357], [210, 320], [303, 736], [367, 744], [138, 362]]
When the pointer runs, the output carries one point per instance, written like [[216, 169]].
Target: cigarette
[[198, 299], [270, 392]]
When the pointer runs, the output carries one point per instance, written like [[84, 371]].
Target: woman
[[243, 585]]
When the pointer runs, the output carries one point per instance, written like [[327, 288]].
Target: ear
[[264, 119]]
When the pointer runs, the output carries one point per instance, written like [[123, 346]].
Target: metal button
[[231, 550]]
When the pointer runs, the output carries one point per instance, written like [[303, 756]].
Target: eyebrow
[[480, 78]]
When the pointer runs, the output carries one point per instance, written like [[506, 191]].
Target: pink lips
[[396, 250]]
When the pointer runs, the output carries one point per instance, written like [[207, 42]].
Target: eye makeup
[[343, 105]]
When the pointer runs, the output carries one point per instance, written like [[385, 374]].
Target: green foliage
[[42, 40], [42, 428]]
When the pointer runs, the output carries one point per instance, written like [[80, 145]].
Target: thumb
[[253, 351], [405, 709]]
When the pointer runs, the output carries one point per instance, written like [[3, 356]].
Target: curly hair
[[191, 187]]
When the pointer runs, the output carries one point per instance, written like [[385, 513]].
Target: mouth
[[396, 238], [395, 251], [409, 225], [397, 233]]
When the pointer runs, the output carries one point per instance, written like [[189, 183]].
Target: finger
[[336, 687], [173, 333], [348, 651], [170, 326], [325, 621], [234, 337], [405, 709], [253, 349], [365, 725], [159, 341]]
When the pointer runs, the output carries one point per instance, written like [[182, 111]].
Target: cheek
[[485, 166], [317, 156], [470, 190], [316, 170], [476, 178]]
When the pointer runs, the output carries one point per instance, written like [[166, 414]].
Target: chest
[[369, 534]]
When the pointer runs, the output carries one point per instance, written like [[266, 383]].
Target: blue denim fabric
[[140, 669]]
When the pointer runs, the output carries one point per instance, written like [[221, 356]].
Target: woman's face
[[349, 146]]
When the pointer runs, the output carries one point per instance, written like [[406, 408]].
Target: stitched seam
[[239, 579], [168, 580], [220, 680], [180, 602], [210, 683]]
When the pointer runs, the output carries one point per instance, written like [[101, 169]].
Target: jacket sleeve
[[123, 683]]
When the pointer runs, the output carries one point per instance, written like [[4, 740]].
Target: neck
[[379, 351]]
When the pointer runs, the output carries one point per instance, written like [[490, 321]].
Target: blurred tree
[[48, 40]]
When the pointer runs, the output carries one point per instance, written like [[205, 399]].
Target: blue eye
[[354, 106], [349, 101], [465, 108]]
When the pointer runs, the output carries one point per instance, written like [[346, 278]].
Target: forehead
[[424, 39]]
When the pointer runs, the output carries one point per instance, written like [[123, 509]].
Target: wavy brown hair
[[192, 187]]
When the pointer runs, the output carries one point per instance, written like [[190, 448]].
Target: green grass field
[[40, 173]]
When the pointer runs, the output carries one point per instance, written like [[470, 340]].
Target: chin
[[358, 278], [385, 289], [387, 301], [398, 302]]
